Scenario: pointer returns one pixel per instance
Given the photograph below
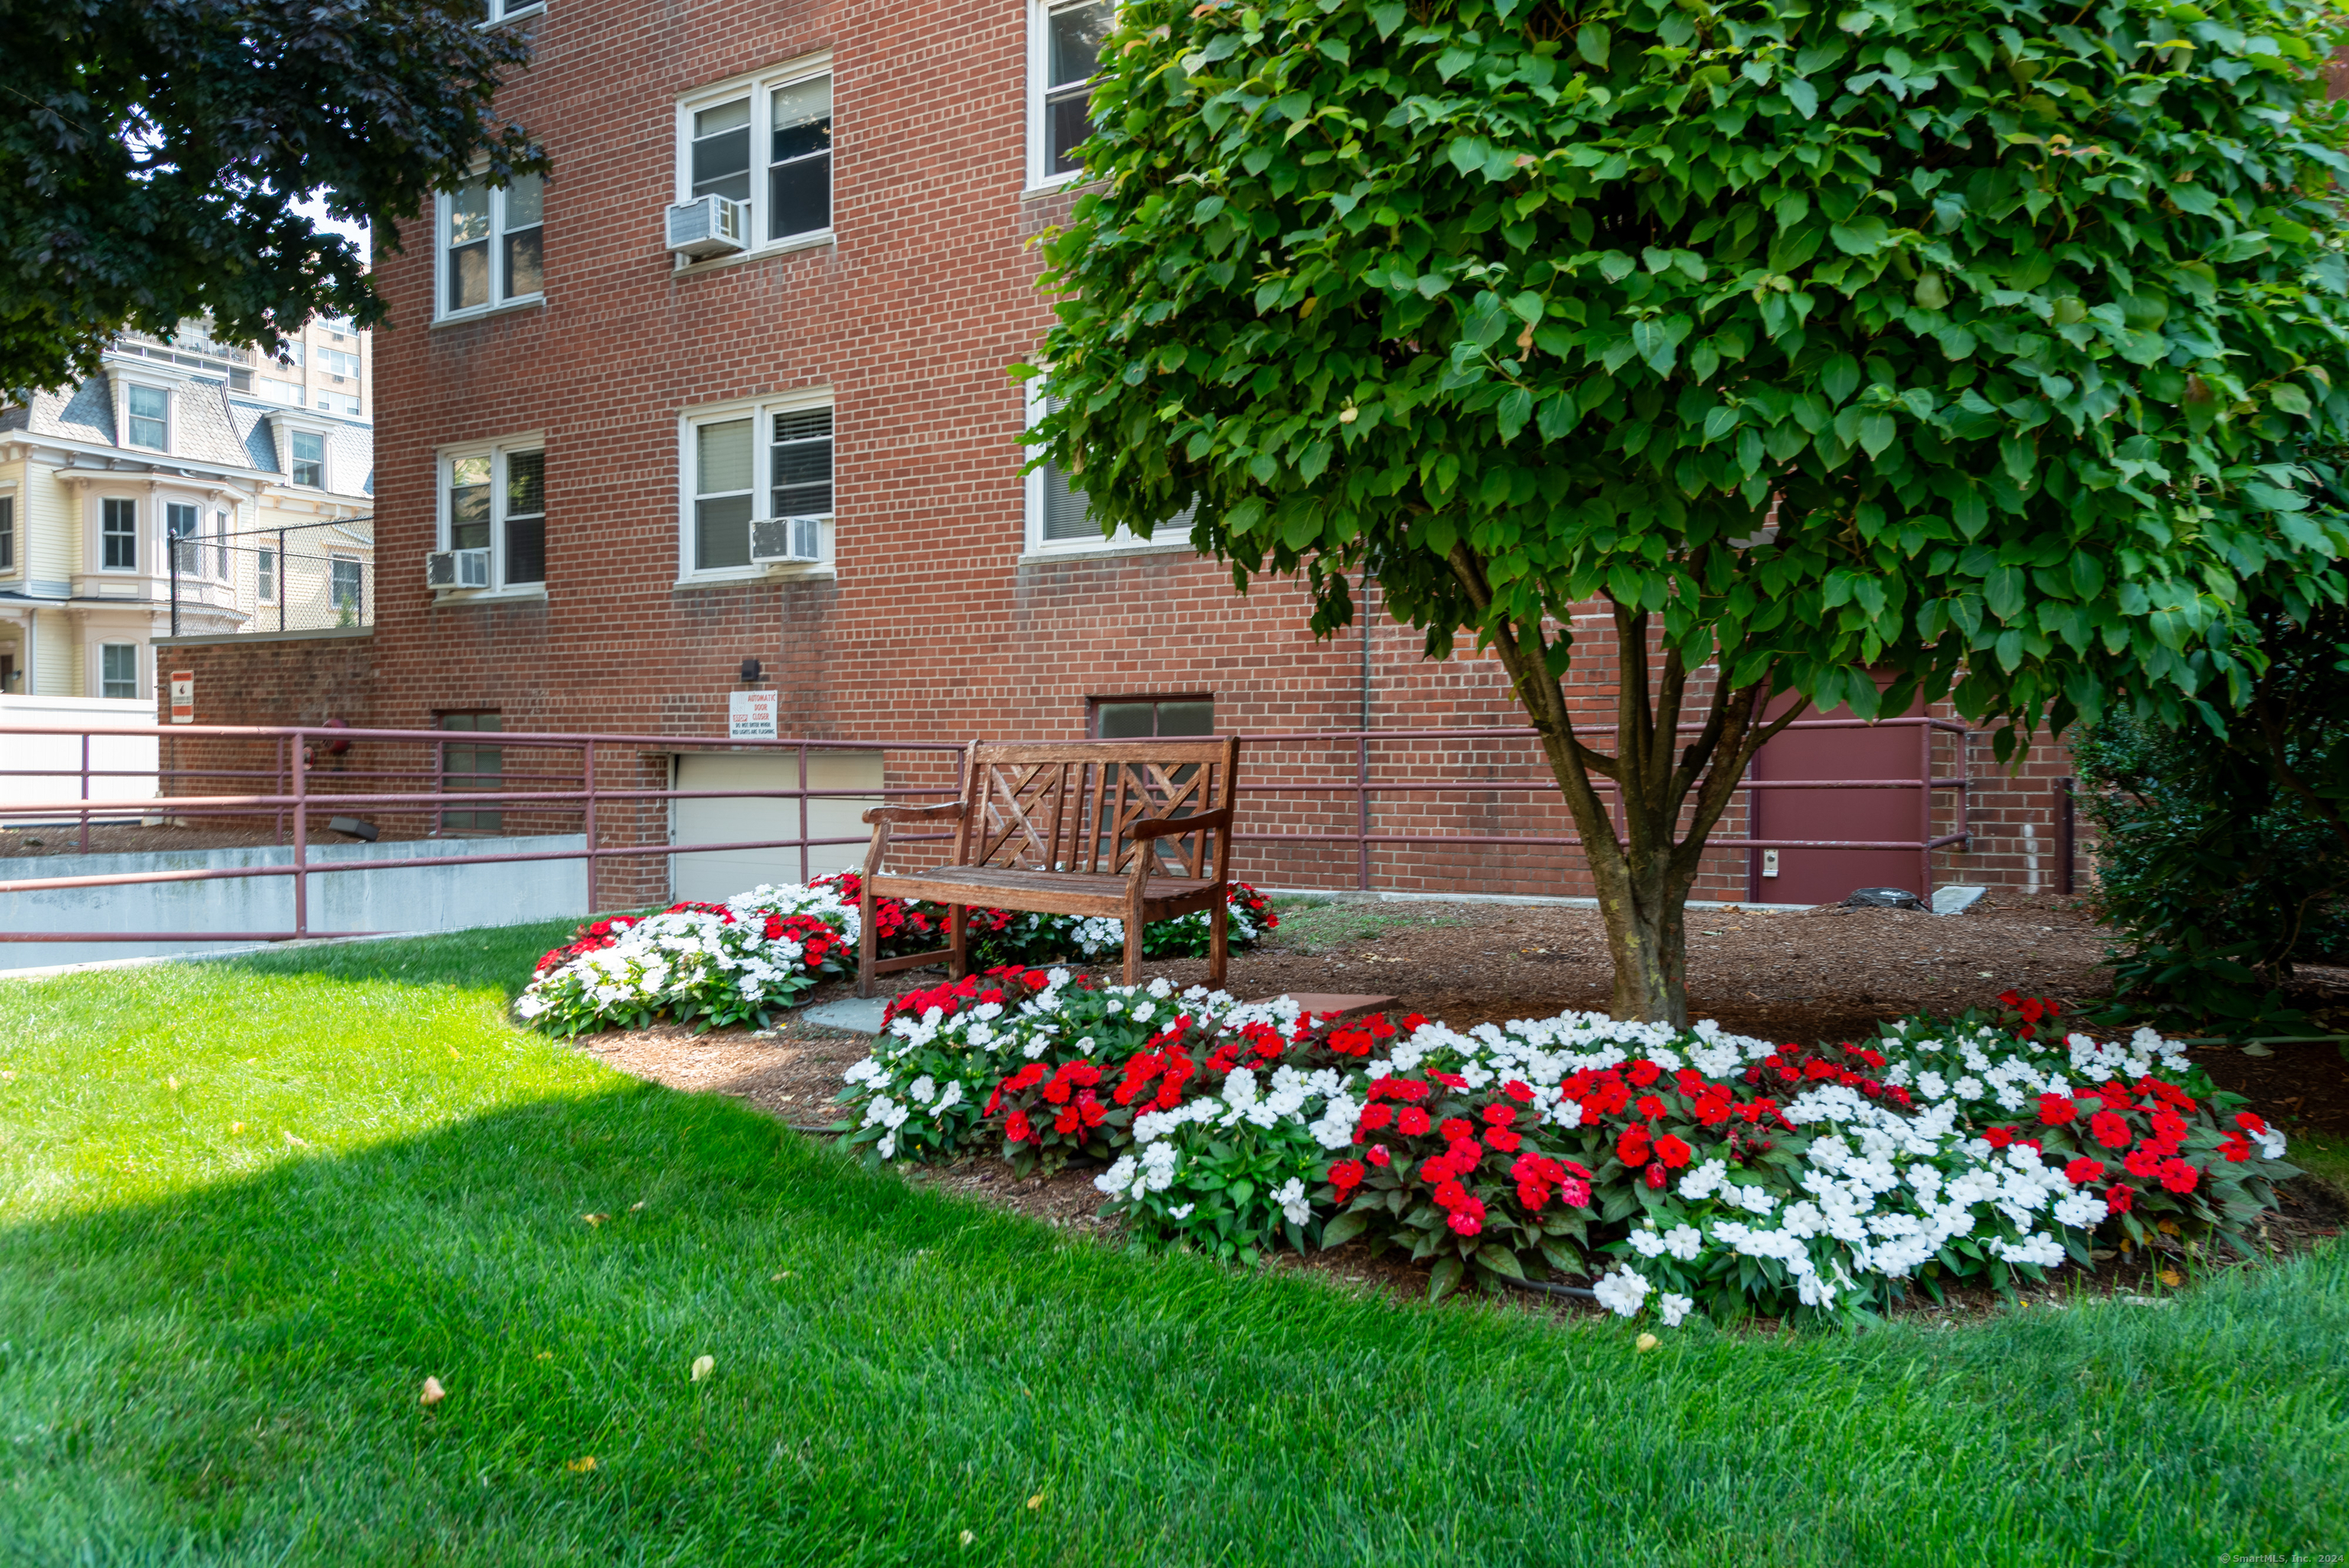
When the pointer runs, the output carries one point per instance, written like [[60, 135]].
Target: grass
[[1314, 925], [212, 1344]]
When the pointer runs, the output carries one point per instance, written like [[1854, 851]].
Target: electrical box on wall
[[1769, 862]]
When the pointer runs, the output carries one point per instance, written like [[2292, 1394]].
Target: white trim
[[759, 87], [528, 301], [122, 385], [757, 410], [517, 13], [498, 452]]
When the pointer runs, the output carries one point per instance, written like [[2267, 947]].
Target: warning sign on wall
[[751, 715], [183, 697]]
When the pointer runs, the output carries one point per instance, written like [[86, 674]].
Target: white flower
[[1622, 1291], [1684, 1242], [1647, 1244], [1672, 1308], [1294, 1206], [1181, 1211]]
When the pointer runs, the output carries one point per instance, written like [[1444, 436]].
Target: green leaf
[[1861, 236], [1444, 1276], [1802, 95], [2288, 399], [1500, 1260], [1516, 408], [1876, 433], [2003, 592], [1841, 377], [1344, 1228], [1591, 41], [1388, 17], [1316, 459]]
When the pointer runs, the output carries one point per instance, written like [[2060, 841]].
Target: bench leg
[[867, 943], [1133, 952], [958, 942], [1220, 943]]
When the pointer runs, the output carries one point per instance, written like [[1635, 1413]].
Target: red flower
[[1532, 1194], [1378, 1155], [1574, 1193], [2250, 1121], [1997, 1136], [2120, 1199], [1631, 1149], [1449, 1195], [1464, 1154], [1066, 1121], [1027, 1077], [2236, 1148], [1651, 1107], [2055, 1109], [1500, 1115], [1672, 1152], [1645, 1072], [1711, 1109], [1523, 1093], [1036, 979], [2177, 1176], [2170, 1126], [1015, 1127], [1435, 1171], [1503, 1140], [1415, 1021], [2083, 1171], [1467, 1219], [1346, 1175], [2143, 1161], [2109, 1129], [1456, 1128], [1450, 1080], [1655, 1176], [1375, 1116], [1691, 1081], [1411, 1123]]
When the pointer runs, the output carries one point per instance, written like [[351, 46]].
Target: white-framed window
[[765, 140], [509, 10], [748, 461], [8, 534], [1064, 39], [264, 576], [118, 669], [338, 362], [490, 253], [118, 534], [306, 459], [183, 523], [493, 498], [344, 589], [1059, 520], [147, 420], [286, 392]]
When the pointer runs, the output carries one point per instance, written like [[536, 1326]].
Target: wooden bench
[[1083, 828]]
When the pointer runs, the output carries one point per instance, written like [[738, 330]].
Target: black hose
[[1573, 1292]]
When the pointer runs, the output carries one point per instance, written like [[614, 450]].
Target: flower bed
[[1680, 1170], [717, 964], [704, 964]]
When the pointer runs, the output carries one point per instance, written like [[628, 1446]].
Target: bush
[[2216, 879], [1684, 1169]]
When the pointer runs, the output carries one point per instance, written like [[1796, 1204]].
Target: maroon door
[[1827, 876]]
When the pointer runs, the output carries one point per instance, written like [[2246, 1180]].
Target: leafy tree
[[2017, 314], [153, 154]]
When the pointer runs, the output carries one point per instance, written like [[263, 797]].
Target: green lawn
[[212, 1345]]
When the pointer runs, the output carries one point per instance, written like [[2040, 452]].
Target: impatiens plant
[[1849, 355], [1003, 937], [708, 965], [1678, 1170]]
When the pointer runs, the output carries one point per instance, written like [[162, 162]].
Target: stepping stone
[[1955, 900], [861, 1015], [1344, 1004]]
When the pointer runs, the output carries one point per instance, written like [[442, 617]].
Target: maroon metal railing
[[293, 800]]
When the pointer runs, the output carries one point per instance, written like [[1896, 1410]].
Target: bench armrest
[[1219, 819], [951, 812]]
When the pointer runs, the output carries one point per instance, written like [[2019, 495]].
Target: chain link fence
[[301, 577]]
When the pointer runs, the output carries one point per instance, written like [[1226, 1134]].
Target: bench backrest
[[1070, 805]]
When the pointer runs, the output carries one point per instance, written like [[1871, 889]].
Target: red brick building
[[593, 421]]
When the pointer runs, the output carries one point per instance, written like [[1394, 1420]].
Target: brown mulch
[[1796, 975]]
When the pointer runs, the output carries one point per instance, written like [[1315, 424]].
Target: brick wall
[[935, 627]]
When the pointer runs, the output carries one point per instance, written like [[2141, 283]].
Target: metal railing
[[293, 800]]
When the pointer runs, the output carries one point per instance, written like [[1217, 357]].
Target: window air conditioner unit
[[708, 226], [781, 539], [457, 568]]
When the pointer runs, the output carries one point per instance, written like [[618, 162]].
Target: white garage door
[[721, 873]]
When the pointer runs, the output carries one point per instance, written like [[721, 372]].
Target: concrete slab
[[860, 1015], [1345, 1003]]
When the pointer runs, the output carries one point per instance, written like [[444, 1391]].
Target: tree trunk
[[1642, 874]]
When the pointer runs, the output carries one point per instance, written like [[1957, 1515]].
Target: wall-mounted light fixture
[[751, 672]]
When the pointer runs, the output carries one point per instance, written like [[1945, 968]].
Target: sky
[[315, 209]]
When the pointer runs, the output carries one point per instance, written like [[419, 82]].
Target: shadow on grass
[[232, 1376]]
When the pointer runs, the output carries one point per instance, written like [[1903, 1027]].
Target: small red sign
[[183, 697]]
